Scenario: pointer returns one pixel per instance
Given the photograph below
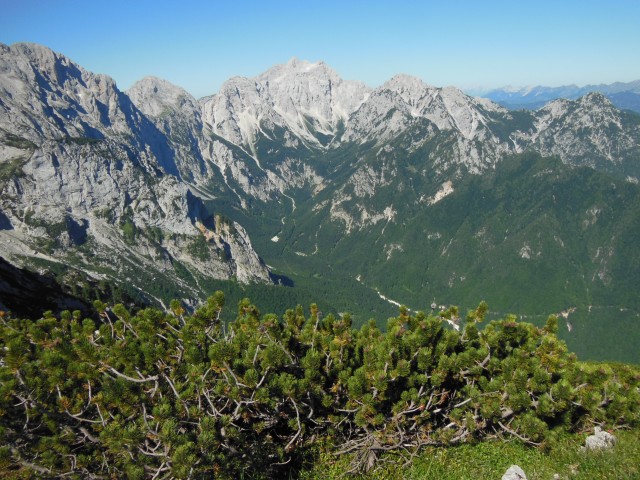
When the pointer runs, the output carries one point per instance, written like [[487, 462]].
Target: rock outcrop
[[600, 440], [514, 472]]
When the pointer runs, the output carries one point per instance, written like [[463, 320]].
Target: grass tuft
[[491, 459]]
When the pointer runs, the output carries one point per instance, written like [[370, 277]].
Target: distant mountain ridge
[[625, 96], [303, 171]]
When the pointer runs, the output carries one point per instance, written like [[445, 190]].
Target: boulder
[[514, 473], [600, 440]]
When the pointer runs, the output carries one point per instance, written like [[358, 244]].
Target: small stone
[[600, 440], [514, 473]]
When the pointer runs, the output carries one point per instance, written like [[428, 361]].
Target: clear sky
[[466, 43]]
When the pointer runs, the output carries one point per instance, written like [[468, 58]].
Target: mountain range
[[297, 185], [625, 96]]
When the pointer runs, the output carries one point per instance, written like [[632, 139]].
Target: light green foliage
[[171, 394], [129, 231]]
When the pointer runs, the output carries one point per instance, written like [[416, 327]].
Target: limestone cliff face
[[305, 103], [89, 179]]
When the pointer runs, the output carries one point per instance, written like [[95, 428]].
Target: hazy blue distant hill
[[625, 96]]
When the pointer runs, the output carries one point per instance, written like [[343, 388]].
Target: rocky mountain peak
[[587, 108], [406, 85], [155, 97], [41, 63], [58, 67], [588, 131], [297, 66], [404, 99], [309, 100], [596, 98], [314, 90], [39, 83]]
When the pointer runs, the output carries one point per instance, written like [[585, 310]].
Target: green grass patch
[[491, 460]]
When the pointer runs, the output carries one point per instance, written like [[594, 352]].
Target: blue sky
[[465, 43]]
